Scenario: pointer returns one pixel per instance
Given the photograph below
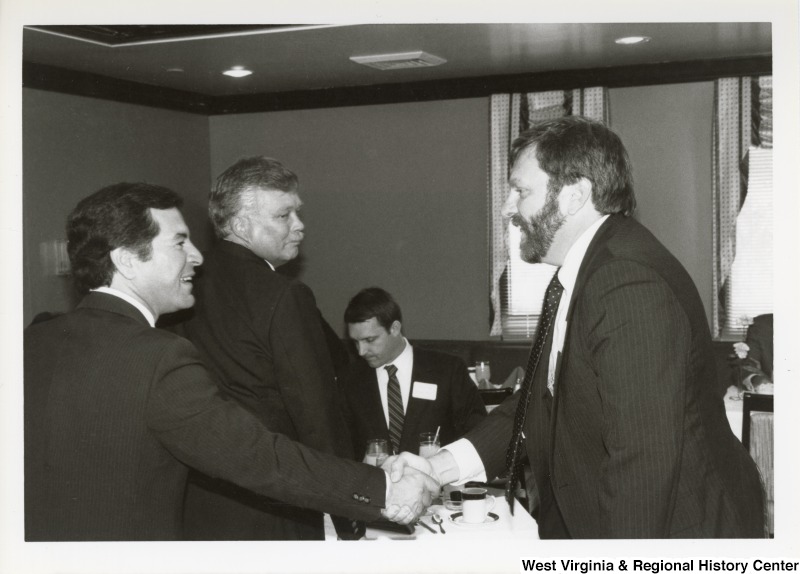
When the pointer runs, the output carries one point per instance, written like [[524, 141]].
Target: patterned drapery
[[742, 118], [511, 114]]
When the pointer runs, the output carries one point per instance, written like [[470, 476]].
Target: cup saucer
[[457, 518]]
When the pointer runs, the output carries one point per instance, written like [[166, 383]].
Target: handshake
[[414, 483]]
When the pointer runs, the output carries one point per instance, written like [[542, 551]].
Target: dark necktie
[[514, 453], [396, 415]]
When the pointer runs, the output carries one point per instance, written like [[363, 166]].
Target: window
[[748, 290], [523, 287], [743, 245]]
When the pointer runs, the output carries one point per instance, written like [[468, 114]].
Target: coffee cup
[[475, 505]]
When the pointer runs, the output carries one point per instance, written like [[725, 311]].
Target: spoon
[[421, 523], [438, 521]]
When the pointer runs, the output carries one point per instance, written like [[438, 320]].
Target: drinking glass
[[428, 444], [377, 451], [483, 373]]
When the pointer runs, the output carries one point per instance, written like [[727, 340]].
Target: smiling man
[[262, 335], [115, 410]]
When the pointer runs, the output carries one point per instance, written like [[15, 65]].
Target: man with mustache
[[262, 335], [116, 410], [620, 414]]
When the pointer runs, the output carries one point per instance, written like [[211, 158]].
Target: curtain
[[742, 119], [511, 114]]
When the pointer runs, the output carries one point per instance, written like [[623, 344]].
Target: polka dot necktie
[[514, 452], [396, 415]]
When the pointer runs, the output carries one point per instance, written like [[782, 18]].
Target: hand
[[409, 496], [396, 465]]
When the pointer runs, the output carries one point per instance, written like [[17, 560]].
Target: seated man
[[116, 410], [435, 390]]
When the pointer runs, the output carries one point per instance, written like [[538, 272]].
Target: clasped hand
[[413, 486]]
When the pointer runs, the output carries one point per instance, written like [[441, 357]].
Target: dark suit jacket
[[458, 406], [261, 335], [115, 410], [635, 442]]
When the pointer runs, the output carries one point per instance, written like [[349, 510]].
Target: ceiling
[[299, 58]]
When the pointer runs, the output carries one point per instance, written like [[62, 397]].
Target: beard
[[539, 231]]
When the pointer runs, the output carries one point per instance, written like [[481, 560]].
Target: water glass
[[428, 444], [377, 451]]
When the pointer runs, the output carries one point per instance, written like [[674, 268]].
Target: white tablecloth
[[520, 525]]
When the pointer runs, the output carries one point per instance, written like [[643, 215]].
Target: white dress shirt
[[469, 462], [405, 364], [124, 296]]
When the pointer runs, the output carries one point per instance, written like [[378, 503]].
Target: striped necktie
[[513, 454], [396, 415]]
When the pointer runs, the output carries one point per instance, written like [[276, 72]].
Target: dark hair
[[116, 216], [573, 147], [373, 302], [230, 192]]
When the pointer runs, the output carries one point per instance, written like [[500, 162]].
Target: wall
[[73, 146], [394, 195], [668, 133]]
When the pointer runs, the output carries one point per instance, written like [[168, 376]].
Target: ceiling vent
[[399, 61]]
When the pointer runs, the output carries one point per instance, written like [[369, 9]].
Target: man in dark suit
[[435, 389], [625, 426], [262, 335], [115, 409]]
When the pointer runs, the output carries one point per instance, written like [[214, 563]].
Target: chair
[[758, 439]]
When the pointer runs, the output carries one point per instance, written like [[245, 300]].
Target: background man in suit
[[436, 391], [625, 425], [115, 409], [261, 334]]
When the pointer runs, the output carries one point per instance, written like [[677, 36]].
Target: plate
[[457, 518]]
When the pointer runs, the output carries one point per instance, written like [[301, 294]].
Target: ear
[[573, 197], [240, 227], [395, 328], [125, 262]]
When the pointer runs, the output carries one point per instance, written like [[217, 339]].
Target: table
[[520, 526]]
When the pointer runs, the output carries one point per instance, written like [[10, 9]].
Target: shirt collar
[[568, 273], [405, 360], [125, 297]]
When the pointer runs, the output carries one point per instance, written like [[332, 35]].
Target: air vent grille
[[399, 61]]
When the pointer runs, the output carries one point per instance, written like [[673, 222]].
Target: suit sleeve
[[467, 406], [304, 372], [640, 342], [221, 439], [491, 437]]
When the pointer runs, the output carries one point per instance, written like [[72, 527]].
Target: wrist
[[445, 468]]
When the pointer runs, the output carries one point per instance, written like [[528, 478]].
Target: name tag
[[426, 391]]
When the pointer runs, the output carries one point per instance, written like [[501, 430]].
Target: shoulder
[[356, 373]]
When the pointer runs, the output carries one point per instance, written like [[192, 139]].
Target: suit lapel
[[371, 406], [596, 246]]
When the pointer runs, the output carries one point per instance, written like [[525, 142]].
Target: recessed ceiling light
[[237, 72], [632, 40]]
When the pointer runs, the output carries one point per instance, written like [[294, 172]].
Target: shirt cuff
[[470, 465]]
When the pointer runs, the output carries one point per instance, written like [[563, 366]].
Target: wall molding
[[42, 77]]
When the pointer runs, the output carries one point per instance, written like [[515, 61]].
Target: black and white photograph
[[371, 287]]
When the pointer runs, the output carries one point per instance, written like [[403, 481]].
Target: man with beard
[[620, 412]]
